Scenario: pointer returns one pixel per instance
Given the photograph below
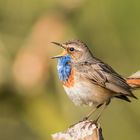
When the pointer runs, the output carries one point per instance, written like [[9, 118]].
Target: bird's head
[[77, 50]]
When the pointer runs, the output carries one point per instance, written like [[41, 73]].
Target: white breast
[[85, 93]]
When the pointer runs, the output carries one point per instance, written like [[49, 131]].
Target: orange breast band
[[70, 81]]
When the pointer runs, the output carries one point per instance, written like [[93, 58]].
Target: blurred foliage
[[33, 104]]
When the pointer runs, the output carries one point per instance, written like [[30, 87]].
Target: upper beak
[[62, 46]]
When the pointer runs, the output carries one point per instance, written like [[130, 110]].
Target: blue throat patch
[[64, 68]]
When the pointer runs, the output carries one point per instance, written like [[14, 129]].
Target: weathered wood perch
[[85, 130]]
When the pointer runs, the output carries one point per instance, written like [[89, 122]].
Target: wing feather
[[103, 75]]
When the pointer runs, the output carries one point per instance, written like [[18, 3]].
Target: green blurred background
[[33, 104]]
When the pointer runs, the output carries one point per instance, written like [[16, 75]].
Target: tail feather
[[134, 80], [124, 97]]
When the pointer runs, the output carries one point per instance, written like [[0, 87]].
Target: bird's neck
[[64, 68]]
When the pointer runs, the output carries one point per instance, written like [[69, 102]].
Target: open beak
[[62, 46]]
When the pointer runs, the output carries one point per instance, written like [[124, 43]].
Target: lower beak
[[63, 53], [57, 56]]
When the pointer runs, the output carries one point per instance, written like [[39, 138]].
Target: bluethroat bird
[[89, 81]]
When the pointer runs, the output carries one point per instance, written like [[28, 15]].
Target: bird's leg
[[102, 110], [89, 114], [92, 111], [86, 117], [99, 115]]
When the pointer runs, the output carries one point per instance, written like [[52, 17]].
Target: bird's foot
[[84, 119], [89, 124]]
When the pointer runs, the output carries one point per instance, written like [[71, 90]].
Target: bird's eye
[[71, 49]]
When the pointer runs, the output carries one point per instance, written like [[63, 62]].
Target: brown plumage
[[95, 82]]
